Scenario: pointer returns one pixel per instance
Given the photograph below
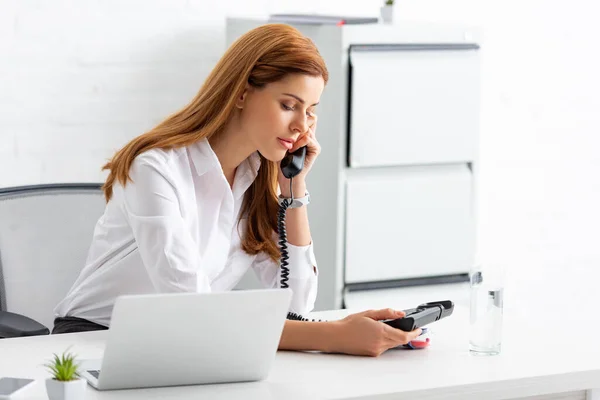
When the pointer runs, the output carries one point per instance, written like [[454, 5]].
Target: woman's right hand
[[364, 334]]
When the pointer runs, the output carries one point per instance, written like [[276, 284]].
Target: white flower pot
[[387, 14], [71, 390]]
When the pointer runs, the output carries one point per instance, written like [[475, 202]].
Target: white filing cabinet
[[392, 191]]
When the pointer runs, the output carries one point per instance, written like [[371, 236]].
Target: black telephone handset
[[292, 163]]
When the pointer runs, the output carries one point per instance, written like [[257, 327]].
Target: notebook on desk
[[187, 339]]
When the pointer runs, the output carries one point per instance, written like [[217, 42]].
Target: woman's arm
[[299, 335], [152, 208], [358, 334], [302, 278], [297, 218]]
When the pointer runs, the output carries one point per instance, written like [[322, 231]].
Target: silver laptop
[[186, 339]]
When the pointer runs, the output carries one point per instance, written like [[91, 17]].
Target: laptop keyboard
[[95, 373]]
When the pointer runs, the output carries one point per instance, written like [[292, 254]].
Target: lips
[[287, 143]]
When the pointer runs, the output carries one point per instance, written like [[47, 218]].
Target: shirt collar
[[205, 159]]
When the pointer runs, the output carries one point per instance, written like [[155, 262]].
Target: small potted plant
[[387, 12], [65, 383]]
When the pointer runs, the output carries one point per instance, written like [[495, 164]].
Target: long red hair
[[261, 56]]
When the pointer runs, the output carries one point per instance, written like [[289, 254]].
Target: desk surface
[[534, 361], [539, 356]]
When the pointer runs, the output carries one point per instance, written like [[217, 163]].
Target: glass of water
[[487, 303]]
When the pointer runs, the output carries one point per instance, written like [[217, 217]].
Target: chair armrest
[[16, 325]]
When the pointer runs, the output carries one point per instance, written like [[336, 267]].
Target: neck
[[232, 147]]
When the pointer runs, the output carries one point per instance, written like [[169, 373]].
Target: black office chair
[[45, 234]]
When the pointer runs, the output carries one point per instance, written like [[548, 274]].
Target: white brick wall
[[79, 78]]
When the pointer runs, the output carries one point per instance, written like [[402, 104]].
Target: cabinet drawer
[[413, 104], [417, 223]]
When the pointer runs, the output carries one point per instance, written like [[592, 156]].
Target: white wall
[[540, 182], [539, 187], [80, 78]]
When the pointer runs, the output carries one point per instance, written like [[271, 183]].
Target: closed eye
[[288, 108]]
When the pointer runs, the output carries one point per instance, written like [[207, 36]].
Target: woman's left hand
[[313, 150]]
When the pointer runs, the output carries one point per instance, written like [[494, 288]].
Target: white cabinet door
[[413, 104], [417, 223]]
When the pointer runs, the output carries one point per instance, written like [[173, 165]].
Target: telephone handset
[[292, 163]]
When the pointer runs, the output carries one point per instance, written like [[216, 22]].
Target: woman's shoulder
[[161, 157]]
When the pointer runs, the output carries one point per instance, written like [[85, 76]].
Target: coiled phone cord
[[285, 271]]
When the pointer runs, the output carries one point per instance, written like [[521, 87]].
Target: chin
[[273, 155]]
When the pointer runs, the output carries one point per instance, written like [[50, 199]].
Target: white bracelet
[[299, 202]]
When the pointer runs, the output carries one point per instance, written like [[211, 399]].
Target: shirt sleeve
[[165, 243], [302, 279]]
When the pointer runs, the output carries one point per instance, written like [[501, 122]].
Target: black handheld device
[[292, 163], [422, 315]]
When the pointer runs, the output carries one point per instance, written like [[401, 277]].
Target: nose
[[300, 124]]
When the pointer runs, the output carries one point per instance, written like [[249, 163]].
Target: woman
[[192, 204]]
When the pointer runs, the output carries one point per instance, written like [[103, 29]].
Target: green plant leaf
[[64, 367]]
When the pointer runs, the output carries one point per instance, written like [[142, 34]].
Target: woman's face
[[277, 115]]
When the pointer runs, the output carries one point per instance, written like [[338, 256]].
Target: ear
[[241, 100]]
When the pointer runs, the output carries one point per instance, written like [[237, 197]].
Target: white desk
[[535, 360]]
